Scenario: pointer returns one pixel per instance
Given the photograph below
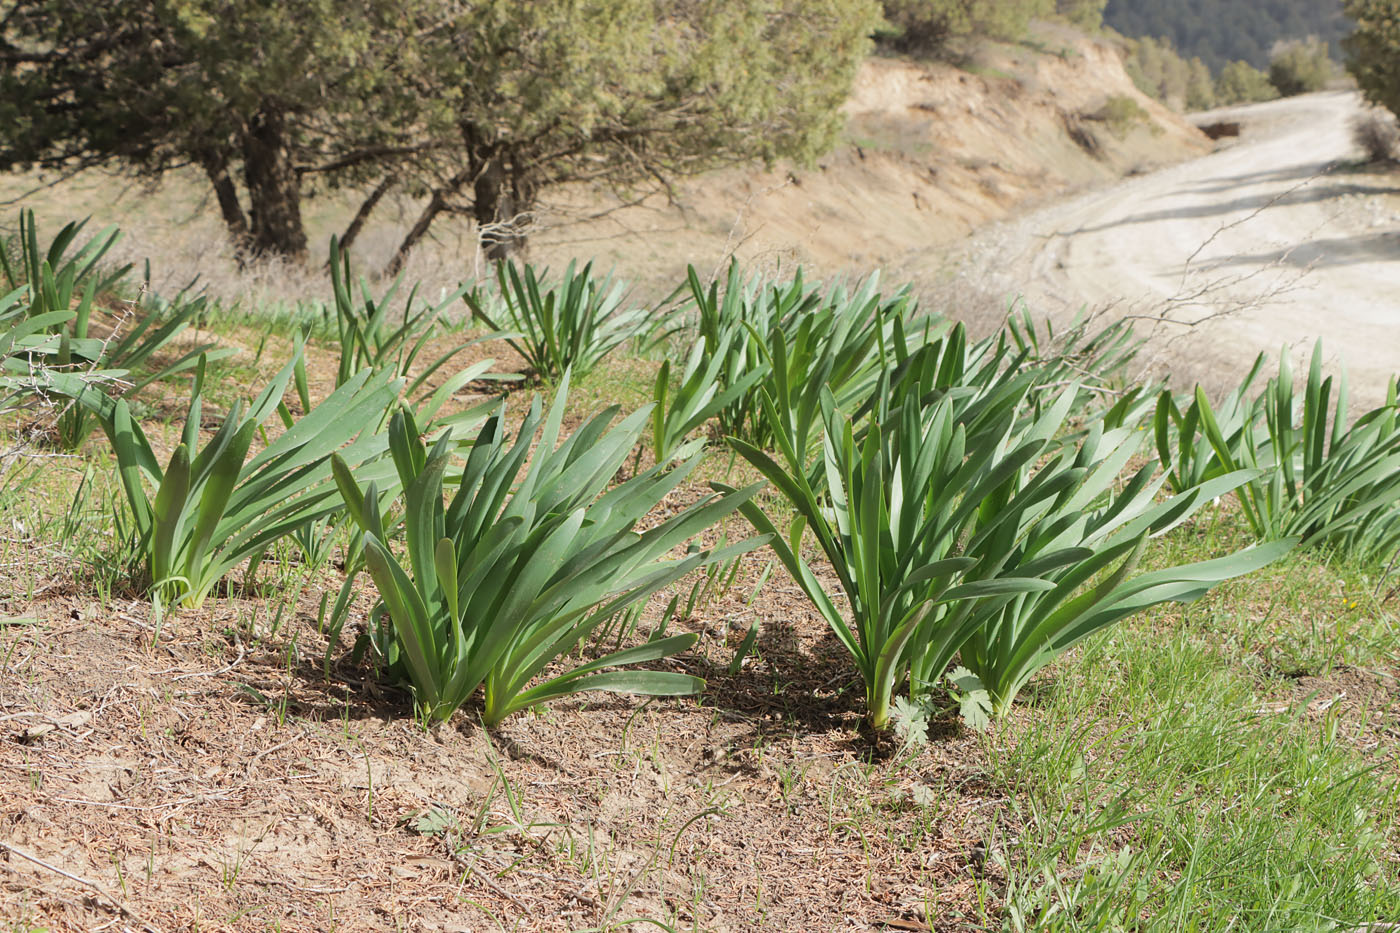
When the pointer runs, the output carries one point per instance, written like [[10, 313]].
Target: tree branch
[[358, 222]]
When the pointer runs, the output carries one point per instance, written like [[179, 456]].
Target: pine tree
[[477, 105], [259, 95], [526, 94], [1373, 50]]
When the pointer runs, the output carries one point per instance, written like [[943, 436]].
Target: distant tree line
[[1160, 71], [1296, 66], [1156, 63], [1222, 31]]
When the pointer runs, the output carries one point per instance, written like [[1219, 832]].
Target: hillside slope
[[934, 152]]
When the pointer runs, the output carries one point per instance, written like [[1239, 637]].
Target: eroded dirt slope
[[934, 152]]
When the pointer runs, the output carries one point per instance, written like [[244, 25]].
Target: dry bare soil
[[230, 769]]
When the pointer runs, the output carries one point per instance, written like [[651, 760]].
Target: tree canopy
[[252, 92], [1085, 13], [924, 26], [1373, 50], [1159, 71], [1300, 66], [476, 106], [1242, 83], [521, 96]]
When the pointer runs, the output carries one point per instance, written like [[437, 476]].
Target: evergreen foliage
[[1373, 51], [1242, 83], [1087, 14], [925, 26], [1220, 31], [233, 87], [477, 106], [521, 96], [1300, 66], [1161, 72]]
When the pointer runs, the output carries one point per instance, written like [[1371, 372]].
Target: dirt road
[[1275, 238]]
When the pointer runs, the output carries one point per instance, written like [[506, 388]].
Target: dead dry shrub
[[1376, 134]]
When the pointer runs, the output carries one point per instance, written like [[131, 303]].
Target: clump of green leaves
[[211, 506], [976, 528], [887, 514], [1071, 528], [64, 266], [1097, 357], [569, 325], [369, 335], [1094, 360], [58, 275], [792, 340], [27, 344], [524, 562], [1317, 477], [1184, 446], [699, 397]]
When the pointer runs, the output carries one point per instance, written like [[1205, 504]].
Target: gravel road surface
[[1279, 237]]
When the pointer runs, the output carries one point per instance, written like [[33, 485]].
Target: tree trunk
[[274, 192], [503, 192], [216, 167], [495, 207]]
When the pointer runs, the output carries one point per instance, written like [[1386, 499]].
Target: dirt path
[[1277, 238]]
